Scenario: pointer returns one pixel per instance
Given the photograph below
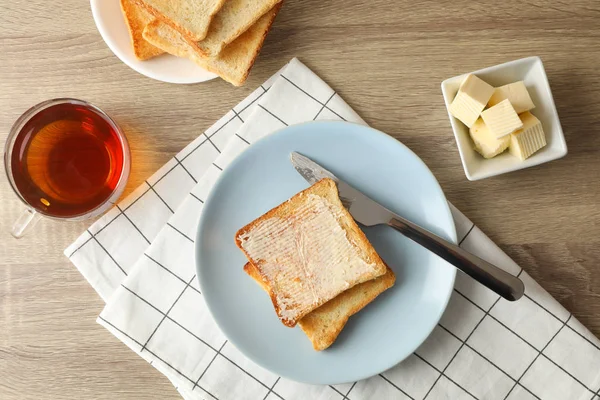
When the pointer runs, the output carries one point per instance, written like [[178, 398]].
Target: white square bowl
[[531, 71]]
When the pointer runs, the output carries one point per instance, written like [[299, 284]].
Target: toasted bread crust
[[230, 22], [270, 18], [201, 32], [136, 19], [346, 304], [327, 189], [233, 64], [323, 325]]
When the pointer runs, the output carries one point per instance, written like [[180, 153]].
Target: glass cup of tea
[[67, 160]]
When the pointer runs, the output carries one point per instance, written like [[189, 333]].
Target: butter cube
[[501, 119], [471, 99], [516, 93], [529, 139], [487, 144]]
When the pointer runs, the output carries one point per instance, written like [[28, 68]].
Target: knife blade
[[368, 212], [363, 209]]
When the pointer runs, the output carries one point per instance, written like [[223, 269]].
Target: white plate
[[387, 330], [531, 71], [167, 68]]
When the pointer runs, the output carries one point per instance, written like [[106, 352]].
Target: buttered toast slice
[[190, 17], [136, 18], [309, 250], [233, 64], [323, 325]]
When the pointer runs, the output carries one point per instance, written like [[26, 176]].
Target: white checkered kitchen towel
[[483, 348]]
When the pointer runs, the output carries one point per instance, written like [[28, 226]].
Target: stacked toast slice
[[315, 263], [222, 36]]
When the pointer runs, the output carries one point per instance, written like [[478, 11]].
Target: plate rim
[[101, 27], [223, 176]]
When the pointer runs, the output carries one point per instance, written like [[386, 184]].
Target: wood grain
[[386, 59]]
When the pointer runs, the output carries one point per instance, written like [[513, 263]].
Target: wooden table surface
[[386, 59]]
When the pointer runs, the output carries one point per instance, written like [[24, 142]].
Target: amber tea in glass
[[66, 158]]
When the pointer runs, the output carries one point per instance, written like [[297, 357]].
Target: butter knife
[[369, 213]]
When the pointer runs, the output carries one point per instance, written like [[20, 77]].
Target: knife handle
[[506, 285]]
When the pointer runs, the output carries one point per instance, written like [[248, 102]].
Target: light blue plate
[[387, 330]]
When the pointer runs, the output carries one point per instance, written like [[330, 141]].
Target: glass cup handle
[[25, 222]]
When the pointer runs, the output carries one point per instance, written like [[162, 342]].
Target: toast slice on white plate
[[136, 19], [231, 21], [233, 64], [190, 17], [309, 250], [323, 325]]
